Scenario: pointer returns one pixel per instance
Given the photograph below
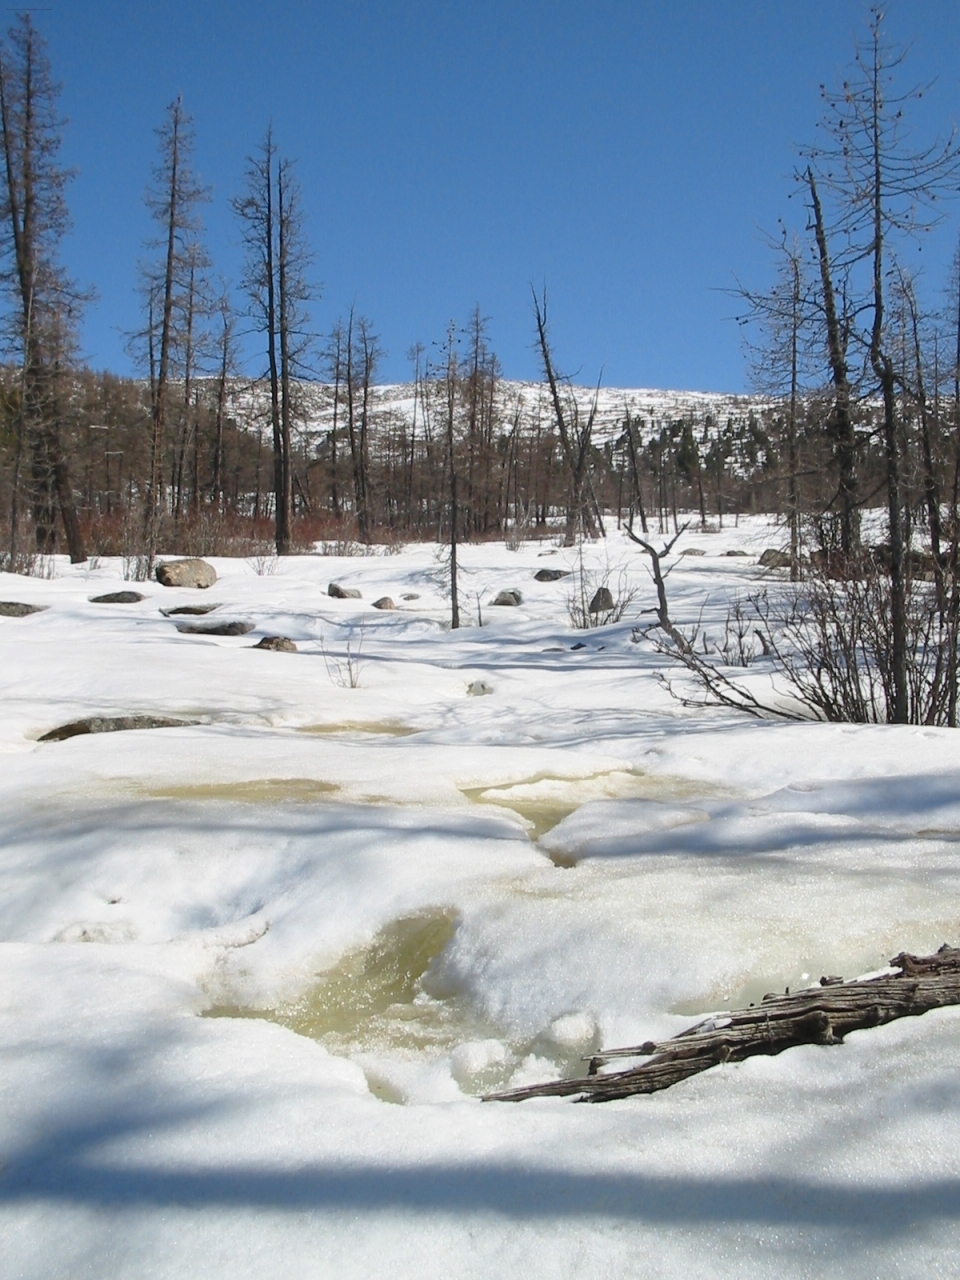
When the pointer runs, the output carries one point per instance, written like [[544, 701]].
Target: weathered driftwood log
[[818, 1015]]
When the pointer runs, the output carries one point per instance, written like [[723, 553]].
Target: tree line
[[858, 376], [195, 454]]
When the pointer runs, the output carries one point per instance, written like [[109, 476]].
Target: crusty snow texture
[[613, 865]]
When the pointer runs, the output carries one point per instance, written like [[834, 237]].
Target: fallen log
[[817, 1015]]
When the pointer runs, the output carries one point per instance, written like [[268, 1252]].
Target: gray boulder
[[508, 599], [551, 575], [191, 610], [602, 601], [186, 573], [111, 724], [16, 609], [215, 628], [736, 552], [693, 551], [342, 593], [384, 603], [118, 597], [774, 558], [277, 644]]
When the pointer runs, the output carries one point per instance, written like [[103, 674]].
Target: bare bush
[[344, 671], [739, 646], [833, 641], [598, 597], [264, 565], [828, 647]]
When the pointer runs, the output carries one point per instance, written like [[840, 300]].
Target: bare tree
[[883, 189], [335, 361], [783, 314], [575, 434], [451, 381], [277, 284], [226, 365], [45, 303], [837, 324], [169, 287], [363, 353]]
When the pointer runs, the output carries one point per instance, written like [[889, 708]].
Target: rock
[[111, 724], [278, 644], [16, 609], [215, 628], [192, 609], [693, 551], [774, 558], [602, 601], [508, 599], [551, 575], [735, 553], [478, 689], [186, 573], [342, 593], [410, 595], [578, 645], [917, 563], [384, 603], [118, 597]]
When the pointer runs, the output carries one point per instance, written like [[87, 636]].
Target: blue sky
[[627, 154]]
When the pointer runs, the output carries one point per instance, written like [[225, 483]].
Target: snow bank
[[607, 864]]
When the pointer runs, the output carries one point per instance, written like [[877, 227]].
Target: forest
[[856, 374]]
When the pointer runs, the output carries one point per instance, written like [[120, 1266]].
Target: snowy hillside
[[528, 402]]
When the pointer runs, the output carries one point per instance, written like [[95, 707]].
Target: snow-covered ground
[[427, 894]]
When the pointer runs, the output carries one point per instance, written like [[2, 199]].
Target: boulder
[[111, 724], [736, 552], [342, 593], [917, 563], [16, 609], [602, 601], [277, 644], [186, 573], [193, 610], [478, 689], [508, 599], [215, 628], [384, 603], [693, 551], [118, 597], [551, 575], [410, 595], [774, 558]]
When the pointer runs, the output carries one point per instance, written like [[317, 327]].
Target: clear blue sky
[[628, 154]]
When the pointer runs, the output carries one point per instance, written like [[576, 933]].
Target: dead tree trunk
[[574, 438], [842, 424], [821, 1015]]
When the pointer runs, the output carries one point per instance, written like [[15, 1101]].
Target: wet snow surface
[[257, 968]]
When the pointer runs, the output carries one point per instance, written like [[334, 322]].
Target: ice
[[397, 896]]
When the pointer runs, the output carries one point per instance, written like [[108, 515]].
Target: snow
[[649, 408], [450, 893]]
